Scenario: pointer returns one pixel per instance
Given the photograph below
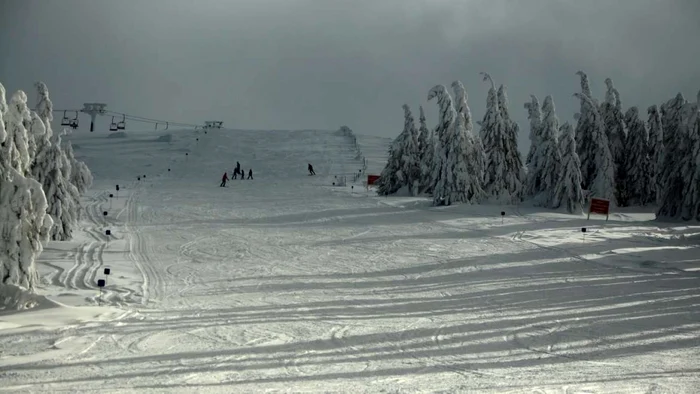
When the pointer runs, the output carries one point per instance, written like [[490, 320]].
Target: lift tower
[[93, 109]]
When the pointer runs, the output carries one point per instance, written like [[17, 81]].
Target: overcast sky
[[319, 64]]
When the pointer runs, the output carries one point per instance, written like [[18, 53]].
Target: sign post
[[100, 283], [599, 206], [371, 180], [503, 215]]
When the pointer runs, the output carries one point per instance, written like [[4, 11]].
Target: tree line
[[611, 153]]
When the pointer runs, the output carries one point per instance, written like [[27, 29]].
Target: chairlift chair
[[65, 121], [122, 125], [113, 126], [74, 122]]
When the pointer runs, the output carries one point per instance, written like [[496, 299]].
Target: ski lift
[[113, 126], [74, 122], [65, 121], [121, 125]]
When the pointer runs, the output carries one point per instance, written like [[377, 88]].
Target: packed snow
[[289, 283]]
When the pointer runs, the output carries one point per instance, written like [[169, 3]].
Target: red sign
[[371, 179], [599, 206]]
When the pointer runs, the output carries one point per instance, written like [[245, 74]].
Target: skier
[[311, 170], [238, 168], [250, 174], [235, 173], [223, 180]]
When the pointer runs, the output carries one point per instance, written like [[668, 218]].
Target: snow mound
[[15, 298], [118, 134], [165, 138]]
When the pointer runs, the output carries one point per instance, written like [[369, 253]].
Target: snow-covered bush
[[80, 174]]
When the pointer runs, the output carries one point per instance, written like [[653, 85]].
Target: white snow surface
[[285, 283]]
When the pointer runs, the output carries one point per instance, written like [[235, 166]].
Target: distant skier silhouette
[[311, 170], [223, 180], [250, 174]]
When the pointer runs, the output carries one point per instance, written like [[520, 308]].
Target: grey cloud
[[323, 63]]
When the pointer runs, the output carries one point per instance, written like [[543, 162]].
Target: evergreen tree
[[62, 196], [410, 154], [675, 144], [534, 114], [446, 119], [690, 124], [494, 137], [603, 179], [638, 167], [16, 146], [585, 127], [24, 225], [656, 150], [80, 176], [616, 131], [44, 106], [476, 159], [426, 142], [546, 178], [568, 192], [514, 163], [389, 181]]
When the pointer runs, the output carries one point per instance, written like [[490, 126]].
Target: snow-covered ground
[[287, 283]]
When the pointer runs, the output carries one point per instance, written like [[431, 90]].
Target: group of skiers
[[237, 171]]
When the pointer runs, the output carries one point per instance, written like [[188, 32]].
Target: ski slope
[[285, 283]]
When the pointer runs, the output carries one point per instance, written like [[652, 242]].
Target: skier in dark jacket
[[250, 174], [223, 180], [311, 170]]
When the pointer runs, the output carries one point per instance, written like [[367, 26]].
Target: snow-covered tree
[[80, 175], [35, 136], [494, 137], [410, 154], [44, 106], [534, 114], [546, 177], [63, 198], [568, 192], [585, 127], [616, 131], [16, 146], [673, 174], [514, 162], [638, 167], [603, 177], [446, 119], [24, 224], [656, 150], [389, 181], [475, 154], [426, 144]]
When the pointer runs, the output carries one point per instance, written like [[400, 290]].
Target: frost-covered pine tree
[[35, 136], [389, 182], [446, 118], [568, 192], [585, 126], [616, 131], [54, 173], [534, 114], [410, 154], [24, 224], [475, 151], [638, 167], [603, 176], [672, 174], [548, 157], [497, 180], [656, 150], [426, 143], [458, 184], [80, 175], [514, 163], [16, 145]]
